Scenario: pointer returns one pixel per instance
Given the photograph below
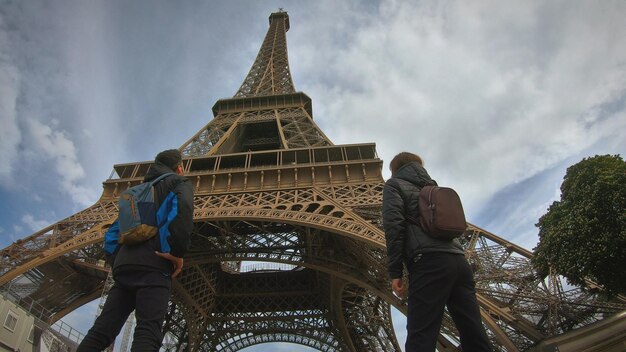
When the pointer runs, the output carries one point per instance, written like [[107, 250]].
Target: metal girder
[[293, 128], [514, 301], [270, 74]]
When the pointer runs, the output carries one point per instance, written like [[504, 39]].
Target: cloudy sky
[[498, 97]]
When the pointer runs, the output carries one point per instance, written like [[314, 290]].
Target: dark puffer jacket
[[405, 240], [141, 256]]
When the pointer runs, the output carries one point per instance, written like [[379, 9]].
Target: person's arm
[[395, 228], [182, 225], [180, 228], [111, 244]]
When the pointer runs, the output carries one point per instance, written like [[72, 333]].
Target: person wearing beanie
[[143, 272]]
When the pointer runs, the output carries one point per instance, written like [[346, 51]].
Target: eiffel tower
[[287, 244]]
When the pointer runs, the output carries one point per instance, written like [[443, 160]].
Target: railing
[[297, 157], [60, 330], [67, 331], [38, 311]]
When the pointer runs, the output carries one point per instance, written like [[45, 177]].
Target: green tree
[[583, 236]]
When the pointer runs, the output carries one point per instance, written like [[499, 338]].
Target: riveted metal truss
[[258, 123], [272, 190], [270, 74], [334, 294]]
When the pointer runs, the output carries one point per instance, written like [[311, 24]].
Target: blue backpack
[[139, 219]]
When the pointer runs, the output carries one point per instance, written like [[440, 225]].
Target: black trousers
[[145, 292], [437, 280]]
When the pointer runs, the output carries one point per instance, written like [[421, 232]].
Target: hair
[[402, 159], [170, 158]]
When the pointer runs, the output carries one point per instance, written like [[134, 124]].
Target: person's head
[[171, 158], [402, 159]]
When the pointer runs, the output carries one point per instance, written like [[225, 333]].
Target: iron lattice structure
[[272, 189]]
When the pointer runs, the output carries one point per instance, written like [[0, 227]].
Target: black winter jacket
[[405, 240], [141, 256]]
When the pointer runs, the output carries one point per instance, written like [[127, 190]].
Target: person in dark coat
[[143, 272], [439, 274]]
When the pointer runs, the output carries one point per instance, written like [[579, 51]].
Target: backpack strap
[[158, 179]]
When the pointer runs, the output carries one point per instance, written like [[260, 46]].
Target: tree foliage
[[584, 234]]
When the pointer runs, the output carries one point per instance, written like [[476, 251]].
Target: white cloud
[[17, 229], [488, 94], [33, 224], [56, 145], [9, 90]]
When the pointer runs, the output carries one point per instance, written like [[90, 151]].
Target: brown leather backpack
[[440, 213]]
